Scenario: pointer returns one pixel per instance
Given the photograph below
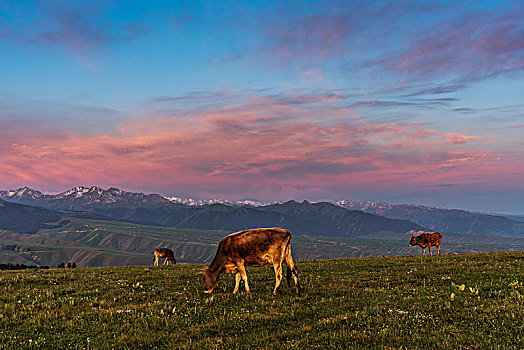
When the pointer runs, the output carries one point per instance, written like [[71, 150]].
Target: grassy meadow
[[471, 301]]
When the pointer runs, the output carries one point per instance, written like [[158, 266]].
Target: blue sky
[[407, 102]]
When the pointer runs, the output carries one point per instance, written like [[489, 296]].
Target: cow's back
[[253, 243], [435, 238], [431, 238]]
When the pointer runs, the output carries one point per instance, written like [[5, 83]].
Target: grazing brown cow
[[427, 239], [256, 247], [164, 253]]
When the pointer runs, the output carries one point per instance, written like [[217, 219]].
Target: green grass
[[394, 302]]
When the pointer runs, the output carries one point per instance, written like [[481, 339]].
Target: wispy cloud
[[373, 39], [79, 28], [476, 45]]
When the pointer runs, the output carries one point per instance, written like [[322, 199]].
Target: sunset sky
[[401, 101]]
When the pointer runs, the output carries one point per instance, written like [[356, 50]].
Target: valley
[[105, 243]]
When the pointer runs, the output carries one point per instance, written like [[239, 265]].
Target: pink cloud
[[249, 150], [456, 138]]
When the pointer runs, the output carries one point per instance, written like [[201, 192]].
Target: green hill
[[451, 302], [338, 221], [104, 243], [25, 218]]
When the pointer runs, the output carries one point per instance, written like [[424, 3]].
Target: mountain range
[[113, 204], [341, 218], [97, 227]]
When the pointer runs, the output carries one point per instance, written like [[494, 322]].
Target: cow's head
[[210, 280], [415, 237], [414, 240]]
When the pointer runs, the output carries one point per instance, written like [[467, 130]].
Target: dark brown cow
[[164, 253], [427, 239], [256, 247]]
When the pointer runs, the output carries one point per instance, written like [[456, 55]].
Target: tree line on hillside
[[16, 267], [10, 266]]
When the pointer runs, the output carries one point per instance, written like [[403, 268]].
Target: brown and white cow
[[164, 253], [256, 247], [426, 239]]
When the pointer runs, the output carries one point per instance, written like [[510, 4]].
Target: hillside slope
[[339, 221], [25, 218]]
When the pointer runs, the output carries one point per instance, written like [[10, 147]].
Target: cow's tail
[[291, 270]]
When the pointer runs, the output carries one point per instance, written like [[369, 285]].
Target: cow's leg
[[291, 268], [430, 250], [423, 251], [237, 282], [438, 249], [242, 271], [156, 260], [278, 275]]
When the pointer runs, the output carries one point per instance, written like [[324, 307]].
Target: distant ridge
[[152, 209], [175, 211], [86, 195], [439, 219]]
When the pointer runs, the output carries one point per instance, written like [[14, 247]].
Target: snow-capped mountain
[[377, 208], [20, 195], [354, 205], [78, 192], [82, 198], [198, 202]]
